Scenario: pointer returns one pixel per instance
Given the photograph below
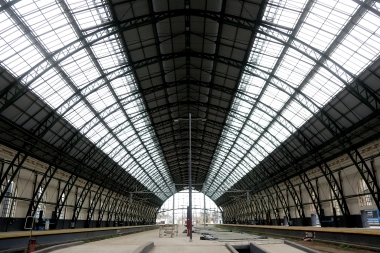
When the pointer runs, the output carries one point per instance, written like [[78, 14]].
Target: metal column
[[190, 200], [204, 211]]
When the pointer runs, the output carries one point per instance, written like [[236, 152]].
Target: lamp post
[[204, 211], [190, 186], [173, 208]]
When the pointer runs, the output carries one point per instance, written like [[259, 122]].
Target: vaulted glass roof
[[65, 53], [121, 72], [292, 72]]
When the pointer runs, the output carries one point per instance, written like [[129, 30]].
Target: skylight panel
[[88, 13], [324, 85], [271, 140], [294, 67], [244, 144], [358, 49], [277, 129], [285, 16], [96, 133], [78, 65], [47, 23], [120, 155], [274, 98], [52, 83], [325, 21], [18, 45], [101, 99], [81, 68], [115, 151], [296, 113]]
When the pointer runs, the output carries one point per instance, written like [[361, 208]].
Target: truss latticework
[[94, 88]]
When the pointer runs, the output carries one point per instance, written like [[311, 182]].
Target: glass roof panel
[[319, 59], [84, 75]]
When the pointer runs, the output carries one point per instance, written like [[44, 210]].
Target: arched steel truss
[[45, 133]]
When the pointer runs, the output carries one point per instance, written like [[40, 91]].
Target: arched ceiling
[[96, 88]]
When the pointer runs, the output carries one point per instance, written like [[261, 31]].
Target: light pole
[[190, 187], [204, 211], [173, 208], [204, 206]]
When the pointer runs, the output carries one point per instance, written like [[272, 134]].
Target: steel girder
[[271, 199], [44, 182], [10, 173], [293, 193], [162, 71], [180, 158], [111, 210], [93, 201], [135, 22], [120, 106], [184, 148], [63, 196], [267, 82], [172, 143], [315, 198], [305, 180], [70, 183], [305, 99], [195, 131], [366, 5], [104, 206], [14, 97], [239, 116], [122, 212], [46, 124], [367, 174], [63, 75], [338, 193], [66, 147], [210, 85], [322, 117], [80, 200], [85, 191], [364, 171], [37, 194], [139, 64]]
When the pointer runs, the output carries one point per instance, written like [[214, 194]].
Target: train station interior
[[128, 115]]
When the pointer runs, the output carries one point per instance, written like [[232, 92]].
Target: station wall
[[298, 203], [84, 205]]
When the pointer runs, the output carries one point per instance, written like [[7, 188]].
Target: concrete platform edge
[[256, 249], [61, 246], [300, 247], [230, 248], [145, 248]]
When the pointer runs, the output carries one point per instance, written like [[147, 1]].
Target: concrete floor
[[128, 243], [180, 243], [280, 248]]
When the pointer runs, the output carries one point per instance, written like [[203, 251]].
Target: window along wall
[[181, 201], [349, 186], [8, 206], [28, 193]]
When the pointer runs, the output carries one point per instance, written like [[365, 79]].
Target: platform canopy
[[95, 88]]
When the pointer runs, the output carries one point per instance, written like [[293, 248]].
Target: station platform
[[131, 242], [181, 243], [129, 238], [18, 240], [367, 238]]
